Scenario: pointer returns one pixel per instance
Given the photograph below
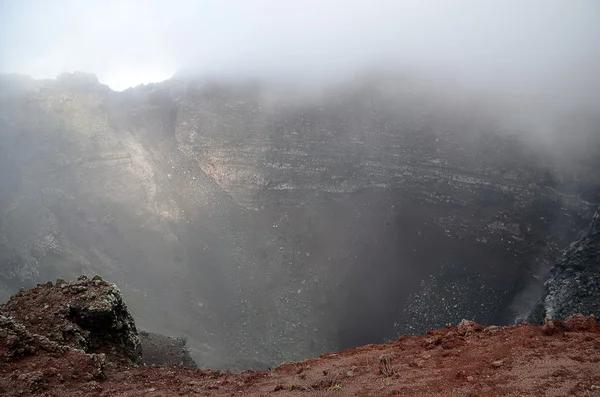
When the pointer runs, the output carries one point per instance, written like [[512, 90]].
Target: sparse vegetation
[[329, 381], [385, 365]]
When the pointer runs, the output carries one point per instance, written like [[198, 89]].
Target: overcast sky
[[125, 43]]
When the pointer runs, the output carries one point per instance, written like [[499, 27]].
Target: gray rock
[[573, 283], [163, 350]]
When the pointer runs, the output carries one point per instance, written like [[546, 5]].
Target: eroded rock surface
[[18, 341], [573, 284], [88, 315]]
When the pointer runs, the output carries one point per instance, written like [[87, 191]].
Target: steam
[[449, 68], [515, 45]]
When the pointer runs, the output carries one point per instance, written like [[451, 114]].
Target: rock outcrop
[[573, 284], [30, 363], [74, 333], [88, 315], [164, 350]]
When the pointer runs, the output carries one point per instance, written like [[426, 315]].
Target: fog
[[423, 162], [505, 44]]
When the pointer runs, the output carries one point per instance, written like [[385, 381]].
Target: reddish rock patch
[[88, 315], [579, 322], [518, 360]]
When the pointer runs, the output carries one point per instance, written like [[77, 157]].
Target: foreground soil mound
[[556, 359]]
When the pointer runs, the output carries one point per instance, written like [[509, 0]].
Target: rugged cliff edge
[[573, 284], [64, 340]]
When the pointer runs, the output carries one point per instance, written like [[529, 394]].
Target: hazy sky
[[125, 43]]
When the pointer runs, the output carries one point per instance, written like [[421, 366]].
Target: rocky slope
[[573, 282], [559, 358], [268, 227]]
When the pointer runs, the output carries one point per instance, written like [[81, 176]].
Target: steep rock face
[[573, 282], [89, 315], [272, 228], [86, 194], [378, 175]]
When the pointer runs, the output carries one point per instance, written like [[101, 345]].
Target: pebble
[[497, 364]]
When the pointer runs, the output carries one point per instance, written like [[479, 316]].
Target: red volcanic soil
[[558, 359]]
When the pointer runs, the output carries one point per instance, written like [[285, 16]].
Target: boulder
[[88, 315], [164, 350]]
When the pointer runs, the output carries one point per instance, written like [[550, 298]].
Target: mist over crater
[[273, 180], [267, 227]]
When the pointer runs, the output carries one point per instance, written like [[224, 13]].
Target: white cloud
[[136, 41]]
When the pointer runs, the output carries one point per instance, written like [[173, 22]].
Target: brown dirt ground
[[558, 359]]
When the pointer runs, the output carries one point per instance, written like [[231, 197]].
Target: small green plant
[[336, 387]]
